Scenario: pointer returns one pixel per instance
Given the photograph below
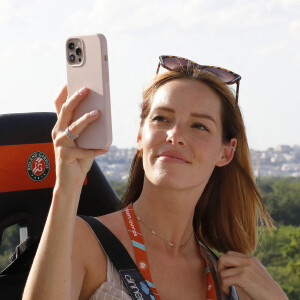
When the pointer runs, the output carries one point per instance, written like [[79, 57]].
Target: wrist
[[66, 195]]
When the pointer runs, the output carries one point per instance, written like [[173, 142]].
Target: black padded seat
[[27, 178]]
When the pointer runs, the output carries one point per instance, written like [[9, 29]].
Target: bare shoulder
[[115, 223], [88, 261], [88, 258]]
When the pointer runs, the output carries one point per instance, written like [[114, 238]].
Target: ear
[[139, 141], [227, 153]]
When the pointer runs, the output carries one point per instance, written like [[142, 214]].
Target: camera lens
[[71, 46], [78, 51], [72, 58]]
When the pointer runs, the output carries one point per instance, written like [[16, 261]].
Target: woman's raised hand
[[248, 273], [72, 162], [56, 247]]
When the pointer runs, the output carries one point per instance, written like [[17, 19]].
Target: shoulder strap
[[114, 249], [233, 295]]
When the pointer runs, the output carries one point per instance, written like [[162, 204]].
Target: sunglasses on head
[[180, 64]]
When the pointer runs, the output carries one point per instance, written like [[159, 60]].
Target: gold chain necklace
[[154, 233]]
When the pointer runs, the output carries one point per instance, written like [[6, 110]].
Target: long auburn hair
[[227, 213]]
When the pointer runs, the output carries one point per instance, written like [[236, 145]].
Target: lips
[[173, 156]]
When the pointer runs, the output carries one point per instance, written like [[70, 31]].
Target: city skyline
[[282, 161]]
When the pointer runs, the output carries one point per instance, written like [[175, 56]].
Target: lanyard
[[141, 255]]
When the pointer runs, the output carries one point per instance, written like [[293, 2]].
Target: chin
[[170, 180]]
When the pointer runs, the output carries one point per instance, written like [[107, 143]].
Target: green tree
[[10, 239], [119, 187], [280, 253], [281, 197], [291, 251]]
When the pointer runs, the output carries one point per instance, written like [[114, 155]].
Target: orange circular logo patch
[[38, 166]]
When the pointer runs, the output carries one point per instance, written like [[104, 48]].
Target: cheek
[[147, 143], [151, 138], [208, 150]]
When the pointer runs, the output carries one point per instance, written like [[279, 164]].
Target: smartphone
[[87, 66]]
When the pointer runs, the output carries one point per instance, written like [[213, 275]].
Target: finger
[[229, 261], [92, 153], [229, 272], [238, 254], [79, 125], [229, 281], [230, 277], [68, 107], [61, 99], [80, 153]]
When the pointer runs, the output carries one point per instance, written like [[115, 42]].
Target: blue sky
[[260, 40]]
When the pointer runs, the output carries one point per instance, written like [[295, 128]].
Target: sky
[[258, 39]]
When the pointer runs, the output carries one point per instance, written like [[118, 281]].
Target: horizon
[[269, 148]]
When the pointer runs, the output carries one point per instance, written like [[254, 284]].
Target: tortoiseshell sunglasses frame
[[237, 78]]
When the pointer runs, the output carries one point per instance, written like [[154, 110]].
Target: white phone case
[[90, 69]]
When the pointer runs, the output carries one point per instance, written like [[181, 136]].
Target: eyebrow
[[197, 115]]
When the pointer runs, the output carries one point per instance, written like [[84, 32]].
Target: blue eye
[[200, 126]]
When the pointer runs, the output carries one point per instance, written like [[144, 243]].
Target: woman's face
[[181, 139]]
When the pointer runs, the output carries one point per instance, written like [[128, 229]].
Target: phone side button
[[106, 72]]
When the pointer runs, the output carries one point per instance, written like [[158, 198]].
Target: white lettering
[[131, 222], [137, 293]]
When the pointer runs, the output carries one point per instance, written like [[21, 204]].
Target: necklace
[[154, 233], [137, 241]]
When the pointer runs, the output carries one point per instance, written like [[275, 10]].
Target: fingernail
[[82, 91], [94, 112]]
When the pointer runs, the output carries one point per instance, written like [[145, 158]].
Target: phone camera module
[[75, 51], [78, 51], [72, 58], [71, 46]]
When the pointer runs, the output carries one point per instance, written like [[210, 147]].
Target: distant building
[[282, 161]]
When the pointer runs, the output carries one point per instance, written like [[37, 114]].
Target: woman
[[190, 181]]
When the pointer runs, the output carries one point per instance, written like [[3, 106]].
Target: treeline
[[279, 252], [281, 196]]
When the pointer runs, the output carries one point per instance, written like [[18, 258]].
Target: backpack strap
[[128, 270]]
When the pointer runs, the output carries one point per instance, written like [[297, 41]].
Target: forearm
[[51, 273]]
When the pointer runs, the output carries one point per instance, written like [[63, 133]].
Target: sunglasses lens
[[177, 64], [180, 64], [222, 74]]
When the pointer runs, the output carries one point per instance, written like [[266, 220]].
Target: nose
[[175, 136]]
